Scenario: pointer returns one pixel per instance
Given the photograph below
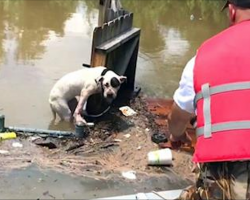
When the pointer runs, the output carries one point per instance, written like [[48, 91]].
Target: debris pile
[[115, 145]]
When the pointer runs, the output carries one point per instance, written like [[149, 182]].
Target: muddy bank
[[116, 144], [36, 183]]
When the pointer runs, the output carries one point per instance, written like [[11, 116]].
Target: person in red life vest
[[215, 85]]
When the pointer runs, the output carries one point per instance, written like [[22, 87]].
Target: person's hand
[[176, 142]]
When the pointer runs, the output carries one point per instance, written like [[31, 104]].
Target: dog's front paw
[[79, 120]]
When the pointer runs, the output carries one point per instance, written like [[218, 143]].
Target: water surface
[[42, 40]]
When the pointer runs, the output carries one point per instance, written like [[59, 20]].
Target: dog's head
[[110, 83]]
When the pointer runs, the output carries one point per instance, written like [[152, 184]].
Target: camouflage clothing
[[222, 180]]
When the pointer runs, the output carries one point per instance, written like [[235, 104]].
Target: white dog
[[83, 83]]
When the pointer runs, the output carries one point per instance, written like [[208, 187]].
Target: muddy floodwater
[[40, 41]]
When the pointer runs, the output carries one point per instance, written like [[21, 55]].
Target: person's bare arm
[[177, 122]]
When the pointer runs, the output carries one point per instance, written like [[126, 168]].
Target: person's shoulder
[[190, 65]]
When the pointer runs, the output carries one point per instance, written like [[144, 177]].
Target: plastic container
[[160, 157], [80, 131], [7, 135], [2, 119]]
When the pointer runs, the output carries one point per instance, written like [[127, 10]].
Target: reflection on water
[[172, 30], [29, 25], [42, 40]]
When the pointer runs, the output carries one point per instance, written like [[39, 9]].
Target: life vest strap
[[206, 110], [224, 88], [225, 126]]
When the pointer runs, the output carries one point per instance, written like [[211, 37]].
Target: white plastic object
[[127, 111], [160, 157], [17, 144], [4, 152], [90, 124], [129, 175]]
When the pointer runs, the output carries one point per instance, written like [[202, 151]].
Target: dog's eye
[[106, 84]]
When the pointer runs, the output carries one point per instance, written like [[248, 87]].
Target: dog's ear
[[99, 79], [123, 79]]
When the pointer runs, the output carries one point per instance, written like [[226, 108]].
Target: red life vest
[[222, 87]]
